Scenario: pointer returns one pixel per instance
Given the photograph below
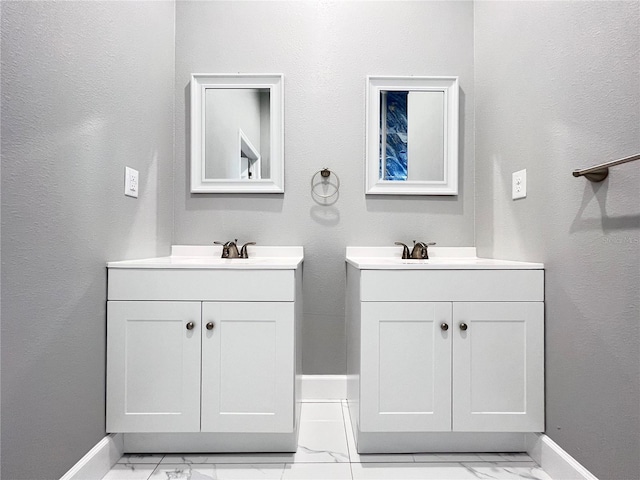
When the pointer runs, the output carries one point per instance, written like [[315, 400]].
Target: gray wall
[[87, 88], [558, 88], [325, 51]]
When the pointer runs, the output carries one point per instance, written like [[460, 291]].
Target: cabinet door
[[153, 367], [498, 367], [405, 367], [248, 367]]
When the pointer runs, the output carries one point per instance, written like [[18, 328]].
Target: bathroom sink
[[209, 257], [440, 258], [435, 261], [216, 262]]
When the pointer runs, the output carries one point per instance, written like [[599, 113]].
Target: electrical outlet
[[519, 184], [130, 182]]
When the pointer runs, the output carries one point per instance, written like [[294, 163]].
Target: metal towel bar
[[598, 173]]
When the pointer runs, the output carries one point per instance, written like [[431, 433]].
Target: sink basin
[[442, 261], [214, 261], [209, 257]]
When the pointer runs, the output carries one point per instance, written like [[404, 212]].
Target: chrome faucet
[[230, 249], [419, 250]]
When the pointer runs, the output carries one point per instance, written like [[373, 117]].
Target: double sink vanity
[[444, 353]]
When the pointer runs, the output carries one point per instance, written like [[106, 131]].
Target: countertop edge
[[370, 264], [157, 264]]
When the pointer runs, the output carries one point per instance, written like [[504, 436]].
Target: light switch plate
[[130, 182], [519, 184]]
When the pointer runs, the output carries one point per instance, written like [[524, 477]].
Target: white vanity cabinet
[[444, 354], [203, 354]]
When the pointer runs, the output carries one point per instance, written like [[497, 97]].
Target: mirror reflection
[[412, 135], [237, 133]]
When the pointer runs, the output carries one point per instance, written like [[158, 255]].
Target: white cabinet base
[[440, 442], [210, 442]]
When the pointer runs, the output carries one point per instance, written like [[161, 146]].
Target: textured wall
[[558, 88], [325, 51], [87, 88]]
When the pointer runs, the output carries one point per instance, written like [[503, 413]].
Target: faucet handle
[[244, 253], [226, 244], [405, 250], [426, 244]]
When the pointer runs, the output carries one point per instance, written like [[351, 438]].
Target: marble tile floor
[[326, 451]]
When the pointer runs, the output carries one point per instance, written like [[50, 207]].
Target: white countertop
[[440, 258], [209, 257]]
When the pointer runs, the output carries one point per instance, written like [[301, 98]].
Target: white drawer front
[[452, 285], [201, 285]]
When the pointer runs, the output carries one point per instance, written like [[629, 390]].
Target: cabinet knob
[[463, 326], [190, 325], [210, 326], [444, 326]]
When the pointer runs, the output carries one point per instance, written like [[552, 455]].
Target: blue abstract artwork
[[393, 135]]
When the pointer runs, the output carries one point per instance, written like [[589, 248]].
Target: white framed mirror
[[237, 133], [412, 135]]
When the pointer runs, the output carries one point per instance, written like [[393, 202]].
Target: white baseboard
[[554, 460], [99, 460], [324, 388]]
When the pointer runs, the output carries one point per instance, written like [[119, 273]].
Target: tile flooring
[[326, 451]]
